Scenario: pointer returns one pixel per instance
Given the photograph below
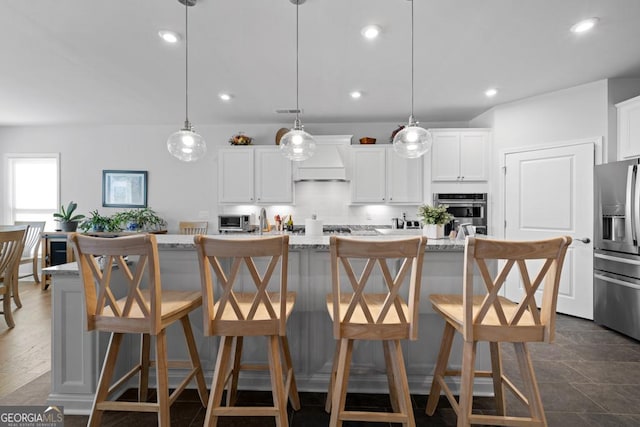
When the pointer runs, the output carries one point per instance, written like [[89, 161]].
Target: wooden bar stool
[[11, 244], [193, 227], [235, 315], [147, 311], [365, 315], [492, 318]]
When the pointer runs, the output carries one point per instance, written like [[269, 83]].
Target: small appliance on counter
[[235, 223]]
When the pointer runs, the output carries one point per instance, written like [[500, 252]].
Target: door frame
[[597, 142]]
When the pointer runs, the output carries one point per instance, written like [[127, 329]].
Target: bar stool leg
[[218, 381], [232, 391], [465, 404], [195, 360], [332, 378], [105, 379], [290, 384], [496, 369], [441, 367], [342, 379], [143, 386], [391, 379], [162, 379], [277, 386], [529, 380]]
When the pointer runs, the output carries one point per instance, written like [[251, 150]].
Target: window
[[32, 191]]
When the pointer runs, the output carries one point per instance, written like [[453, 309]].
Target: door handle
[[585, 240]]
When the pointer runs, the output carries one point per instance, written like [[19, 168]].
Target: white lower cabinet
[[629, 128], [460, 155], [379, 175], [254, 175]]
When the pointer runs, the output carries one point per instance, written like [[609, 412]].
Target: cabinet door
[[273, 177], [629, 129], [235, 175], [474, 150], [445, 156], [368, 181], [404, 179]]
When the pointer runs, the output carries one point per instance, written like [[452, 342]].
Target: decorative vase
[[433, 231], [68, 225]]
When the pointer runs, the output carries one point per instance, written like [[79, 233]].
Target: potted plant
[[98, 223], [434, 218], [68, 221], [145, 219]]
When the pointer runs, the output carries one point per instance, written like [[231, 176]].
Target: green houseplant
[[145, 219], [68, 221], [97, 223], [434, 218]]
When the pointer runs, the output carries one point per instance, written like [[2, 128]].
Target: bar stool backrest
[[193, 227], [220, 261], [97, 259], [364, 313], [550, 253]]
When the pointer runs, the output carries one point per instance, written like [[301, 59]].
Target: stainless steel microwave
[[234, 223]]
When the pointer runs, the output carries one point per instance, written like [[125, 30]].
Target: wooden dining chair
[[147, 309], [193, 227], [361, 314], [11, 243], [31, 247], [236, 314], [493, 318]]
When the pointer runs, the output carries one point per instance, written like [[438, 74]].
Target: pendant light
[[412, 141], [297, 144], [186, 144]]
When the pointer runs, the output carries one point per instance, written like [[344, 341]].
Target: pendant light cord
[[412, 57], [186, 62], [297, 64]]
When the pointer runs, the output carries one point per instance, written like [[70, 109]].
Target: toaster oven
[[234, 223]]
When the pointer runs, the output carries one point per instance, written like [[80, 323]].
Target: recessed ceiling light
[[225, 96], [584, 25], [370, 32], [356, 94], [169, 36], [490, 93]]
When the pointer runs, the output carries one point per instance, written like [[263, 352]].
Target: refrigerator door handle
[[616, 259], [616, 281], [636, 206], [630, 206]]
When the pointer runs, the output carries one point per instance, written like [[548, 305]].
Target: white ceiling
[[101, 62]]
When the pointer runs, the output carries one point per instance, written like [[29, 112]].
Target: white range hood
[[329, 162]]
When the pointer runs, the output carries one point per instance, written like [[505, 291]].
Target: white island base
[[77, 354]]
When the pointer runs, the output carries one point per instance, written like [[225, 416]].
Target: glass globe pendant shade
[[297, 145], [412, 141], [186, 145]]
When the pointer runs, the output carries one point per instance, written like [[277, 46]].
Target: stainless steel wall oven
[[467, 208]]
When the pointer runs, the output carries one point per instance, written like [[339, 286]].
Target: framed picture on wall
[[124, 189]]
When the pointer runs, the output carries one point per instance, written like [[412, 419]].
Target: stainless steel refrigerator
[[617, 247]]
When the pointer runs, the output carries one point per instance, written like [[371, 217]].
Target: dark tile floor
[[589, 377]]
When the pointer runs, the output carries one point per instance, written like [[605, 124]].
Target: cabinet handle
[[462, 178]]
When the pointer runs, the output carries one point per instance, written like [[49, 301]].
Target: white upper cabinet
[[254, 175], [368, 175], [460, 155], [379, 175], [629, 128]]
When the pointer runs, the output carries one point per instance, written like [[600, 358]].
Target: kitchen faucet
[[263, 220]]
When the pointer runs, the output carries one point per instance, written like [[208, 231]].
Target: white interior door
[[548, 193]]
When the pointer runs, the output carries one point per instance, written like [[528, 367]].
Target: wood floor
[[25, 351]]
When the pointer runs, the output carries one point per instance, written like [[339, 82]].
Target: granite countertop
[[300, 241]]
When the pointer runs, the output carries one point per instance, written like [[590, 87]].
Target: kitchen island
[[77, 354]]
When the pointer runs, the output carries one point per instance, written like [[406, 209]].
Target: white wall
[[571, 114], [177, 190]]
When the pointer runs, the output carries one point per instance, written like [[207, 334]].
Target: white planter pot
[[433, 231]]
